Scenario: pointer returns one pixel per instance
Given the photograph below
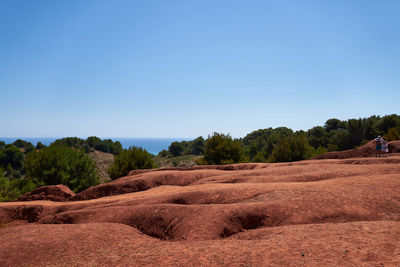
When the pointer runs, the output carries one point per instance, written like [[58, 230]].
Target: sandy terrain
[[329, 212]]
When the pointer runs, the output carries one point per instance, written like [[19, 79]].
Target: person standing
[[384, 147], [378, 146]]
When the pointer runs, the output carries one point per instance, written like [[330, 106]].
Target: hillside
[[314, 212], [103, 161]]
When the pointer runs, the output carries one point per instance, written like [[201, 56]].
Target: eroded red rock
[[49, 192], [329, 212]]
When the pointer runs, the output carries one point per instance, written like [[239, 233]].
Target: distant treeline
[[284, 144], [92, 142]]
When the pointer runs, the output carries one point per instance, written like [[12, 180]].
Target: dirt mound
[[140, 180], [367, 150], [394, 147], [229, 167], [50, 192], [315, 212]]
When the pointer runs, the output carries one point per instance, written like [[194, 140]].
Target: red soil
[[50, 192], [316, 213], [367, 150]]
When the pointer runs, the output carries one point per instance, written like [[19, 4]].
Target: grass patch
[[180, 161]]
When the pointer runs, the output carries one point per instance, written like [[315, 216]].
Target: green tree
[[163, 153], [92, 141], [197, 146], [62, 165], [175, 149], [370, 131], [14, 188], [108, 146], [317, 136], [222, 149], [12, 156], [393, 134], [291, 148], [130, 159], [29, 147], [333, 124], [356, 130], [70, 142], [19, 143], [40, 146], [102, 146], [383, 125], [340, 139]]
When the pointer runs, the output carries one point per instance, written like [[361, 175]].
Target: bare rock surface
[[327, 212]]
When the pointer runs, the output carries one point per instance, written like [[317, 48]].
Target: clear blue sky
[[172, 68]]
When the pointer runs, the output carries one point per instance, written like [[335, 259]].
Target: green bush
[[69, 141], [11, 155], [14, 188], [29, 147], [196, 147], [19, 143], [175, 149], [130, 159], [108, 146], [40, 146], [163, 153], [393, 134], [222, 149], [62, 165], [291, 148], [92, 140]]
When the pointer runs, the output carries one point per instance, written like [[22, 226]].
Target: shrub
[[11, 155], [69, 141], [29, 147], [393, 134], [291, 148], [163, 153], [62, 165], [40, 146], [14, 188], [19, 143], [175, 149], [92, 140], [197, 146], [130, 159], [102, 146], [108, 146], [222, 149]]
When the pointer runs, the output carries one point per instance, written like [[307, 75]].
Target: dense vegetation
[[130, 159], [92, 142], [283, 144], [176, 149], [59, 164], [222, 149], [24, 166]]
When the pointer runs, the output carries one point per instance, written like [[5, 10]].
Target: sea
[[152, 145]]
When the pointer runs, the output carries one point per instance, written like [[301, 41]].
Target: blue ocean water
[[152, 145]]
